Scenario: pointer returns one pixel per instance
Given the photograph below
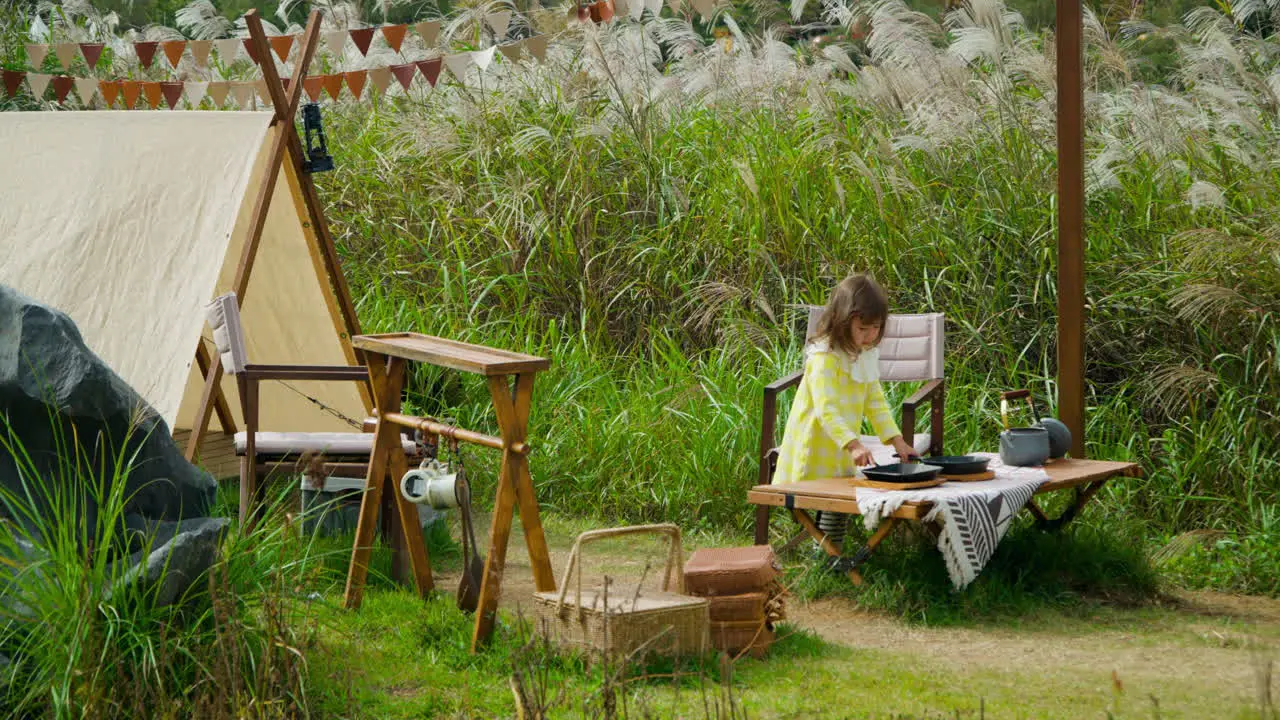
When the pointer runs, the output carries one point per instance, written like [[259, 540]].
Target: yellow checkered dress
[[827, 413]]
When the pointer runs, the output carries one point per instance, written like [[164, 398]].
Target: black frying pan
[[959, 464], [901, 472]]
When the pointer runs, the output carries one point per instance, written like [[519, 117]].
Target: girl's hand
[[906, 453], [861, 455]]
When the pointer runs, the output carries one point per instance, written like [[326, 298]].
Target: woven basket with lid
[[627, 620]]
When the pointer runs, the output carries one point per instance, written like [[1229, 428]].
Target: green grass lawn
[[1065, 626]]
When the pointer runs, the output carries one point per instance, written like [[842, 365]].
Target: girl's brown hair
[[858, 295]]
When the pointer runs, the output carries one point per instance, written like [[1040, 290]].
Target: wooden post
[[1071, 388]]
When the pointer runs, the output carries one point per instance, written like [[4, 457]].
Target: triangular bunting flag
[[13, 81], [537, 46], [394, 35], [227, 49], [362, 37], [172, 91], [36, 55], [313, 87], [404, 73], [261, 87], [86, 88], [62, 85], [430, 69], [39, 82], [218, 93], [248, 48], [458, 64], [109, 89], [483, 58], [200, 52], [66, 53], [332, 84], [243, 92], [195, 92], [355, 81], [636, 9], [428, 31], [674, 5], [654, 7], [152, 92], [512, 51], [601, 12], [335, 40], [381, 79], [146, 52], [704, 8], [91, 53], [282, 44], [499, 22], [131, 90], [173, 50], [621, 7]]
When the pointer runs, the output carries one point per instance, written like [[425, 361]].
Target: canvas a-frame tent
[[131, 222]]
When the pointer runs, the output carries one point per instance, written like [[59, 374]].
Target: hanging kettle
[[1023, 446]]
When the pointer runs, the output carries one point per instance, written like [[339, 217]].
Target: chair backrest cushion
[[228, 335], [912, 346]]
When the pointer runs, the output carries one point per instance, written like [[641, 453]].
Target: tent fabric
[[122, 220], [289, 318], [132, 222]]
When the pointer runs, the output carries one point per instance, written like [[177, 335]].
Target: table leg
[[515, 485], [410, 538], [827, 546], [530, 518], [496, 561], [1083, 496], [873, 542], [386, 387], [791, 544]]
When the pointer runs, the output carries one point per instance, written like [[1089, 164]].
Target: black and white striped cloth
[[974, 515]]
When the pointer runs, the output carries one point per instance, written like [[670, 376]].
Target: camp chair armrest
[[931, 393], [306, 372], [924, 395], [777, 386]]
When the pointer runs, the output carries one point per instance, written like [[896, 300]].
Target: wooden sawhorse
[[386, 357]]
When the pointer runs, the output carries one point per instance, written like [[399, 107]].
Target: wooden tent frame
[[284, 101]]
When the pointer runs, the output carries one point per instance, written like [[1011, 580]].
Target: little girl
[[840, 388]]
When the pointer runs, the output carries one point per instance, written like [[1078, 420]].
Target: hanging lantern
[[318, 158]]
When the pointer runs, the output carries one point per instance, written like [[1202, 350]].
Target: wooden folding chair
[[911, 351], [263, 452]]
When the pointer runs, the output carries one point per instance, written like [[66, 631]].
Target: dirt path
[[1203, 645]]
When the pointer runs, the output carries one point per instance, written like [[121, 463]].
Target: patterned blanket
[[974, 516]]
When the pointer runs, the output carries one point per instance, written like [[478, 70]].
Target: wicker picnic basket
[[619, 620]]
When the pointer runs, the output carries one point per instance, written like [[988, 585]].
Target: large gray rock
[[179, 553], [66, 419], [52, 383]]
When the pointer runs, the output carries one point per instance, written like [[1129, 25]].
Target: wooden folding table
[[386, 357], [1086, 477]]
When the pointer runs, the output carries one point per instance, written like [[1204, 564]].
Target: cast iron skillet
[[901, 472], [959, 464]]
